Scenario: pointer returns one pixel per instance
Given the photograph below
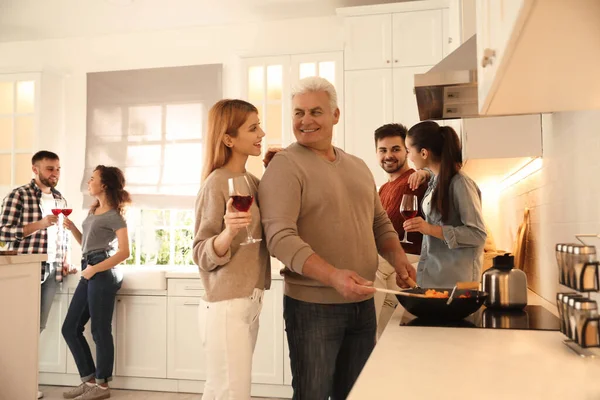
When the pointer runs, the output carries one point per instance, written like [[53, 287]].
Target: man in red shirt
[[391, 152]]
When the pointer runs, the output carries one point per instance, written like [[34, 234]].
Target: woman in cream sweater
[[233, 276]]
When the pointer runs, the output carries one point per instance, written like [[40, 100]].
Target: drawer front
[[185, 287]]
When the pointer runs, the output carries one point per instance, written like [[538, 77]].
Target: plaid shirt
[[22, 207]]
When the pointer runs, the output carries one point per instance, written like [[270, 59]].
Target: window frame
[[15, 78], [137, 229]]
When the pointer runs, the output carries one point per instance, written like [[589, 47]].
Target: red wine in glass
[[408, 214], [56, 211], [67, 211], [242, 203], [241, 193], [409, 208]]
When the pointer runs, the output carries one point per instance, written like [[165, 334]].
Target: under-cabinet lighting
[[531, 167]]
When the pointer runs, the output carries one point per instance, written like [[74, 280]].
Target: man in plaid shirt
[[25, 227]]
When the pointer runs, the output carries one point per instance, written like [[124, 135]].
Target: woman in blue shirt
[[453, 229]]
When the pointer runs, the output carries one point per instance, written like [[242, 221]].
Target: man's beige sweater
[[243, 268], [311, 205]]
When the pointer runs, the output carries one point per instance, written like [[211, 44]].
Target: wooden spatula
[[399, 292]]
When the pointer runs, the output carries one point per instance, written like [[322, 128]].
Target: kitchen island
[[20, 319], [411, 362]]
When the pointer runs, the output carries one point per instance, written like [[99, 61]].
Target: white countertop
[[465, 363], [192, 273], [22, 259]]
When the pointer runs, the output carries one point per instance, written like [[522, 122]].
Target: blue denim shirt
[[460, 255]]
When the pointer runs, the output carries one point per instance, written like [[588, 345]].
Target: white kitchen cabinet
[[502, 137], [53, 348], [417, 38], [368, 42], [495, 23], [537, 56], [185, 354], [87, 333], [369, 104], [141, 340], [377, 92], [407, 38], [267, 364]]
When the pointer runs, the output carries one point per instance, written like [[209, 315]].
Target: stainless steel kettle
[[506, 287]]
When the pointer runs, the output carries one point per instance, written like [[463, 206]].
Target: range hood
[[449, 89]]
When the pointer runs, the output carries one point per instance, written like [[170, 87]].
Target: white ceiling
[[46, 19]]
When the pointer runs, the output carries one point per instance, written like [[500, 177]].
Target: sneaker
[[95, 393], [40, 395], [77, 391]]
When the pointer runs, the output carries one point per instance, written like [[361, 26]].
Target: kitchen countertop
[[192, 273], [458, 363], [22, 258]]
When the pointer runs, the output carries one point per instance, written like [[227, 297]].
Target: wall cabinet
[[502, 137], [537, 56], [396, 40], [368, 42], [369, 104], [382, 54], [495, 22]]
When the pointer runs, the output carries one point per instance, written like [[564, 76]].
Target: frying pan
[[432, 308]]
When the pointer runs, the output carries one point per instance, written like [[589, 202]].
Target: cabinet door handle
[[387, 61], [450, 40], [395, 61], [193, 288], [190, 303], [488, 57]]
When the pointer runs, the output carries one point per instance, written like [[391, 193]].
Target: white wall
[[563, 197], [73, 58]]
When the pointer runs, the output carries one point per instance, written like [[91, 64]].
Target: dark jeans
[[329, 346], [93, 299]]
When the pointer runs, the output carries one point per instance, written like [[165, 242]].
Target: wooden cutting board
[[521, 241]]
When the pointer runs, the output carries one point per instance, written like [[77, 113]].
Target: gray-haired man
[[323, 219]]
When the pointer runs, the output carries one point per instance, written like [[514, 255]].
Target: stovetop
[[530, 318]]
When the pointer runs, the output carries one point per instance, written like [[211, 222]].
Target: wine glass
[[60, 207], [240, 192], [409, 208], [59, 204]]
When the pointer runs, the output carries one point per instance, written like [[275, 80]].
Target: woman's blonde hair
[[225, 117]]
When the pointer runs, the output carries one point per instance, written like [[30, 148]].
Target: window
[[268, 82], [160, 237], [150, 123], [160, 141], [19, 110]]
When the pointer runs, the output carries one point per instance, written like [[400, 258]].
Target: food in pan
[[444, 295], [436, 294]]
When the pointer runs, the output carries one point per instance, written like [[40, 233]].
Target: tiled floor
[[55, 393]]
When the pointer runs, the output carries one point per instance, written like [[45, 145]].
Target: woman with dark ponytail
[[453, 230], [94, 297]]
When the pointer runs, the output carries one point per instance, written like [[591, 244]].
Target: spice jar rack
[[578, 269]]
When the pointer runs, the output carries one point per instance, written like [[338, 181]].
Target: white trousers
[[229, 329], [385, 303]]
